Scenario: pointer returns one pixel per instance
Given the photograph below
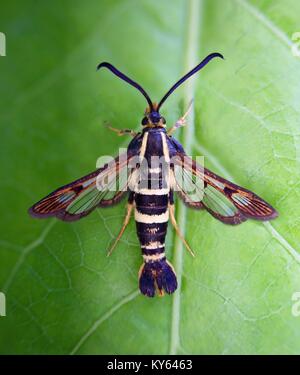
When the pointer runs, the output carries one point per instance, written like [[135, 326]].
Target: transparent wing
[[200, 188], [104, 187]]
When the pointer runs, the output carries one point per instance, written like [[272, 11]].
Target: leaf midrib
[[194, 13]]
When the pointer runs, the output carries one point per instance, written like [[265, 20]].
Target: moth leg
[[121, 132], [125, 223], [182, 121], [175, 225]]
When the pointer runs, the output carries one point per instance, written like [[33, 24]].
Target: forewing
[[103, 187], [226, 201]]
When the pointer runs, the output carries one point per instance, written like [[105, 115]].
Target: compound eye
[[145, 121], [163, 120]]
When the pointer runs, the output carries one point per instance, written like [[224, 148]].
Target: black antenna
[[188, 75], [126, 79]]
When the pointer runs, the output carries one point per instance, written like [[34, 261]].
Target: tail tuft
[[157, 276]]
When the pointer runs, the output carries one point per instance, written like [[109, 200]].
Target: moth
[[150, 188]]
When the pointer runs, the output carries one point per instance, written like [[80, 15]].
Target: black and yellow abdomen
[[151, 198]]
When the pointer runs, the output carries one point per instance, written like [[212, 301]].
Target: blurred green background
[[63, 294]]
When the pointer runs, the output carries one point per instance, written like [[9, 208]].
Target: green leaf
[[63, 294]]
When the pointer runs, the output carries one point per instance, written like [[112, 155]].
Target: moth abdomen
[[156, 274]]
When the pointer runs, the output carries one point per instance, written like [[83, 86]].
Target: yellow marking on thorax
[[144, 144], [165, 147]]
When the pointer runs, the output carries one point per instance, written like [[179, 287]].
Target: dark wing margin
[[223, 199], [75, 200]]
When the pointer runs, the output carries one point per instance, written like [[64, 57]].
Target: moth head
[[153, 118]]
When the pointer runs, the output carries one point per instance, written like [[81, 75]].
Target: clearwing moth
[[150, 193]]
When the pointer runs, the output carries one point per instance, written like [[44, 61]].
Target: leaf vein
[[266, 22], [33, 245], [103, 318]]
